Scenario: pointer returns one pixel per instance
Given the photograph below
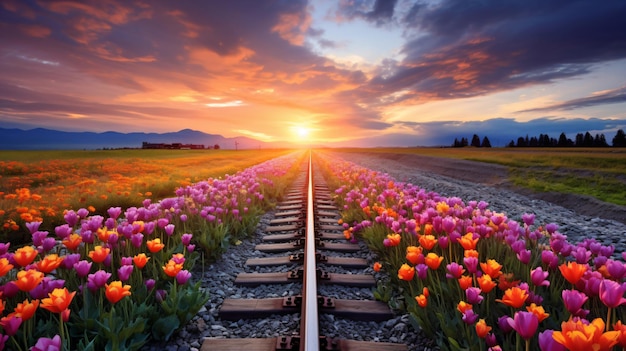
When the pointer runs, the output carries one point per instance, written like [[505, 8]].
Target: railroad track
[[305, 222]]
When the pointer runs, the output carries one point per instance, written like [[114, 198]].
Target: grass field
[[597, 172]]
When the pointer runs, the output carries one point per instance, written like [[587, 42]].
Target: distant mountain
[[47, 139]]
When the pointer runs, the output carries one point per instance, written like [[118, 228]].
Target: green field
[[597, 172]]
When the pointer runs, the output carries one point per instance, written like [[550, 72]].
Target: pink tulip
[[524, 323], [612, 293]]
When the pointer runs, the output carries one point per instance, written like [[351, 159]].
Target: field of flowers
[[113, 281], [474, 279], [39, 186]]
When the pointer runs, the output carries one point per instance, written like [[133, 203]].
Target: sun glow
[[302, 132]]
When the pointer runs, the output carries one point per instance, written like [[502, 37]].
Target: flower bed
[[473, 279], [114, 283]]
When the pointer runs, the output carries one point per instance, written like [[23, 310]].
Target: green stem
[[608, 319]]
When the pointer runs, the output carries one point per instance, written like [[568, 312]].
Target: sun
[[302, 132]]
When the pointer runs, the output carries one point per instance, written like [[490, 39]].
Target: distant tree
[[216, 146], [588, 140], [564, 141], [456, 143], [600, 141], [533, 142], [475, 141], [486, 142], [521, 142], [619, 140], [511, 143], [580, 140], [464, 142]]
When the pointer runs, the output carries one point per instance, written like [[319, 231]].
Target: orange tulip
[[25, 255], [425, 291], [172, 268], [573, 271], [414, 255], [514, 297], [2, 306], [505, 281], [5, 266], [538, 311], [467, 241], [406, 272], [422, 300], [470, 253], [140, 260], [104, 234], [377, 266], [485, 283], [155, 245], [115, 291], [49, 263], [433, 261], [463, 306], [622, 329], [465, 282], [26, 310], [482, 329], [492, 268], [72, 241], [58, 301], [99, 254], [428, 229], [578, 336], [28, 280], [394, 239], [427, 241]]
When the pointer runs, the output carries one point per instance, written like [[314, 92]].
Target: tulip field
[[97, 253], [111, 277], [474, 279]]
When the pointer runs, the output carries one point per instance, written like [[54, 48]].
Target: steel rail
[[309, 323]]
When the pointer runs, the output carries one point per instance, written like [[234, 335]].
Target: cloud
[[459, 49], [614, 96]]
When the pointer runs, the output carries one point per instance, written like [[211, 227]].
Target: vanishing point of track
[[307, 220]]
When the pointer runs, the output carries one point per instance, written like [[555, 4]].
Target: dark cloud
[[377, 11], [615, 96], [471, 48]]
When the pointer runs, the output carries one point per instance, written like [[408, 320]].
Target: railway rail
[[306, 221]]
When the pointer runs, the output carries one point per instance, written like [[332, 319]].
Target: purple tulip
[[549, 258], [443, 241], [538, 277], [126, 261], [71, 218], [82, 212], [422, 271], [82, 268], [136, 240], [612, 293], [4, 248], [528, 218], [97, 280], [471, 263], [448, 224], [47, 344], [162, 222], [114, 212], [169, 229], [524, 256], [574, 300], [470, 317], [150, 283], [455, 270], [182, 276], [11, 325], [547, 343], [581, 255], [70, 260], [38, 237], [524, 323], [124, 272], [186, 238], [9, 289], [473, 295], [616, 269], [33, 226]]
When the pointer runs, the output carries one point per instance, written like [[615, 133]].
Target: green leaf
[[163, 328]]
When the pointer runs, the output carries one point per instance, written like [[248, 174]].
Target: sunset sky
[[336, 72]]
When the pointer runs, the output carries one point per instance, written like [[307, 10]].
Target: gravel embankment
[[464, 179]]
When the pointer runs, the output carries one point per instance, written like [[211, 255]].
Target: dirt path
[[496, 176]]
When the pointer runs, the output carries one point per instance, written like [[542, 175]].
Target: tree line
[[544, 140]]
